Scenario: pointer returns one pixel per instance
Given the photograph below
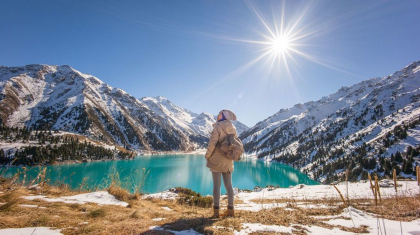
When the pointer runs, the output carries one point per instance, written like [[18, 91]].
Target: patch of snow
[[30, 231], [416, 69], [325, 231], [100, 197], [185, 232], [166, 195], [156, 228], [158, 219], [313, 206], [248, 228], [166, 208], [30, 206], [221, 227]]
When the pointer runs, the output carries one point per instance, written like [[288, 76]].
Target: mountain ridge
[[319, 133], [62, 98]]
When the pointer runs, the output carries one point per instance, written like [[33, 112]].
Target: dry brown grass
[[13, 194], [84, 219], [8, 206], [407, 209], [119, 193], [330, 206], [139, 217]]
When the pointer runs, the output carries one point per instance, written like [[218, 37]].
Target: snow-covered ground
[[356, 218], [319, 192]]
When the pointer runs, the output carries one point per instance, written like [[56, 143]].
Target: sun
[[280, 44], [282, 39]]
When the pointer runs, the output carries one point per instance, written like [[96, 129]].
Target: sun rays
[[278, 40], [282, 38]]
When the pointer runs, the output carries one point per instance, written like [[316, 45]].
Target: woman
[[219, 164]]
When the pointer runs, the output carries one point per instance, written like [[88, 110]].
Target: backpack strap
[[219, 142]]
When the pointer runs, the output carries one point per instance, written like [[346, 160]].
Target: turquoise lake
[[161, 172]]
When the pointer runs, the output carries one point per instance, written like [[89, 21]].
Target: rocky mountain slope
[[184, 119], [372, 126], [45, 97]]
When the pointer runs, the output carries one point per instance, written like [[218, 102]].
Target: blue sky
[[207, 55]]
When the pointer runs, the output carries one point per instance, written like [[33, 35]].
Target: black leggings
[[227, 181]]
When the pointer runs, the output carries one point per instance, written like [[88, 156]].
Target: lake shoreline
[[148, 153]]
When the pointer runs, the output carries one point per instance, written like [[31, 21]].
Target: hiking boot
[[215, 212], [230, 212]]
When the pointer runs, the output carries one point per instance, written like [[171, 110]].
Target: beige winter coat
[[216, 161]]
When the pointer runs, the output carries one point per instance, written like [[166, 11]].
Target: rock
[[257, 189], [34, 187], [386, 183], [235, 191]]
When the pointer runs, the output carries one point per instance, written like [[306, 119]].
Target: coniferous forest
[[49, 147], [359, 163]]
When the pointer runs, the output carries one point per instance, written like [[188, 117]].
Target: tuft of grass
[[118, 186], [99, 213], [13, 195], [42, 173], [341, 195], [409, 208], [41, 221], [143, 178], [394, 176], [373, 188], [378, 191], [192, 198], [119, 193], [361, 229], [10, 205], [418, 175], [137, 215]]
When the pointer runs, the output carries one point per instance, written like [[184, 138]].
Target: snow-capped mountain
[[185, 120], [61, 98], [240, 127], [181, 118], [357, 128]]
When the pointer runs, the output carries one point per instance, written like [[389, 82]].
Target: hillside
[[22, 147], [372, 126], [43, 97]]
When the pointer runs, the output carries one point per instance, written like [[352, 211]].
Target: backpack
[[231, 147]]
